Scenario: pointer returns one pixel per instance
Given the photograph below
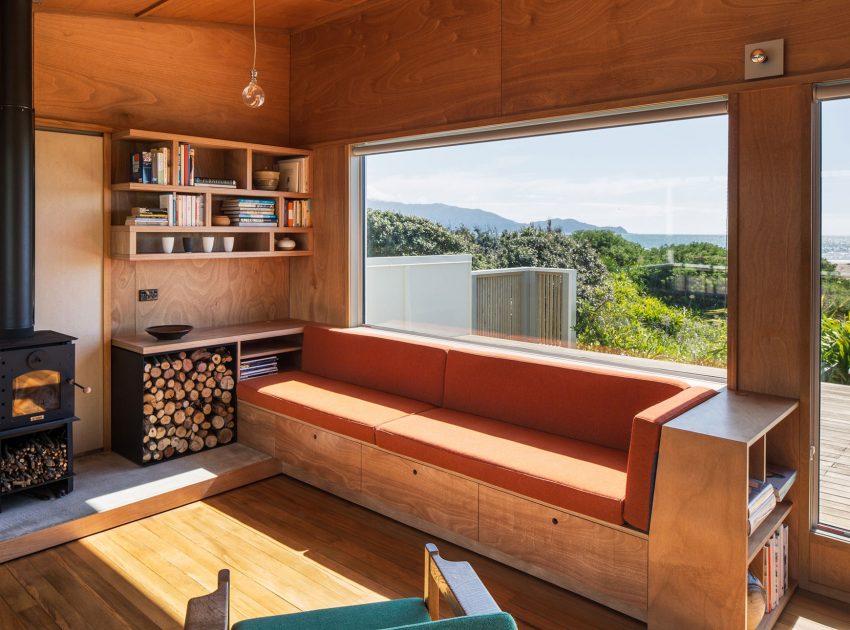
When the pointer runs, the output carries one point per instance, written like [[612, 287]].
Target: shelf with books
[[154, 206], [770, 619], [715, 509]]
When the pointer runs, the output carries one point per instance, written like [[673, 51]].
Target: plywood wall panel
[[203, 293], [175, 77], [560, 54], [397, 66], [774, 232], [319, 284]]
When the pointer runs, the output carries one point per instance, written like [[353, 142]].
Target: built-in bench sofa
[[543, 464]]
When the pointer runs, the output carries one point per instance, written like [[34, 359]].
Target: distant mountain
[[455, 217]]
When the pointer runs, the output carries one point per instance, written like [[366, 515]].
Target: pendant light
[[253, 95]]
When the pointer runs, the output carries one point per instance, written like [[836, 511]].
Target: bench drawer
[[408, 487], [586, 557], [316, 456]]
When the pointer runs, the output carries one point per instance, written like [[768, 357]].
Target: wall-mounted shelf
[[136, 243], [213, 158]]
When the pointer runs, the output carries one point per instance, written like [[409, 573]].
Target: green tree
[[393, 234], [616, 252]]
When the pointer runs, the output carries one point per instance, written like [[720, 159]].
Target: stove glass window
[[36, 392]]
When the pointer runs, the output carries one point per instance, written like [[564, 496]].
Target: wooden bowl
[[221, 221], [169, 332]]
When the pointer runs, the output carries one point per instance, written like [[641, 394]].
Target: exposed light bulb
[[253, 95]]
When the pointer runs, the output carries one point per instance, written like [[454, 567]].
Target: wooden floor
[[835, 456], [289, 547]]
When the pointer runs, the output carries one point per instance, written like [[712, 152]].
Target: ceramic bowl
[[170, 332], [266, 180]]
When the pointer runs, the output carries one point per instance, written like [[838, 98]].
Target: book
[[215, 182], [141, 168], [780, 479], [292, 174], [760, 503]]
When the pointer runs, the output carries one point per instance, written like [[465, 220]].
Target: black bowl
[[168, 333]]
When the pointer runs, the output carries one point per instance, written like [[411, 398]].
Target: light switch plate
[[773, 67]]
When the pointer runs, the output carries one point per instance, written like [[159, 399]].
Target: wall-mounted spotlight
[[764, 59]]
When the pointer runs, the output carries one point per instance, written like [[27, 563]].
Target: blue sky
[[835, 122], [662, 178]]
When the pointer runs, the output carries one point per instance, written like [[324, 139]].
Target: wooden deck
[[835, 456], [289, 547]]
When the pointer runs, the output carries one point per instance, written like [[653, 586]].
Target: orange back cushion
[[587, 404], [412, 370]]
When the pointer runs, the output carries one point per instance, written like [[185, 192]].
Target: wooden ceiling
[[280, 14]]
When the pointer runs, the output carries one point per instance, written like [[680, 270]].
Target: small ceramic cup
[[228, 243], [167, 244], [188, 244], [209, 242]]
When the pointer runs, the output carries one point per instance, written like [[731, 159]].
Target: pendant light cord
[[254, 14]]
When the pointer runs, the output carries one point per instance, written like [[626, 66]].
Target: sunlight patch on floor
[[121, 498]]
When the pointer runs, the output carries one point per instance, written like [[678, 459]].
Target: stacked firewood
[[187, 403], [33, 460]]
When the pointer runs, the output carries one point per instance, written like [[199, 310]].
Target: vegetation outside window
[[610, 240]]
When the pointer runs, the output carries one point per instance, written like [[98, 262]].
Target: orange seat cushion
[[409, 369], [589, 404], [578, 476], [340, 407]]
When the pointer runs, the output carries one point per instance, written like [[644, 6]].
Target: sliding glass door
[[833, 508]]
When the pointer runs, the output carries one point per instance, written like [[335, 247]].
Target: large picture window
[[596, 242]]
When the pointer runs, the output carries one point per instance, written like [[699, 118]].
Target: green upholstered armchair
[[457, 582]]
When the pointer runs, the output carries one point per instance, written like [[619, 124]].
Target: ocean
[[834, 248], [649, 241]]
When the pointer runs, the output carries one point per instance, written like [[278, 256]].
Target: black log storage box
[[169, 405]]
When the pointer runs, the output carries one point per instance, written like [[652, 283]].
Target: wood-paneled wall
[[166, 76], [416, 64], [319, 284], [203, 293]]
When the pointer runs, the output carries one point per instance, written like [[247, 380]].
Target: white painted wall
[[420, 293], [69, 262]]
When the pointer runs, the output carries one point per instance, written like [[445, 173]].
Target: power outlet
[[148, 295]]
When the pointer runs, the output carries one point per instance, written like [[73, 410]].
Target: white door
[[69, 262]]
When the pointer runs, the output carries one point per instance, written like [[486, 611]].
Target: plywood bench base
[[602, 562]]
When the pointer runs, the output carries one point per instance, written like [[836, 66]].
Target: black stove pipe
[[17, 171]]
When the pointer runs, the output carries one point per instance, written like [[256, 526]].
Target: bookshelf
[[212, 158], [701, 550]]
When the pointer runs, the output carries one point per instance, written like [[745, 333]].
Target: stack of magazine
[[761, 502], [251, 368]]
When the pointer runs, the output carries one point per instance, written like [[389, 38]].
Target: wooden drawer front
[[317, 456], [438, 497], [599, 562], [257, 428]]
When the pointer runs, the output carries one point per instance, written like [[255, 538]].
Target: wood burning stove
[[37, 413]]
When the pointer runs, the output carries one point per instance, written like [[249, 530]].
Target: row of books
[[294, 176], [183, 210], [150, 167], [774, 569], [185, 165], [298, 214], [250, 212], [252, 368]]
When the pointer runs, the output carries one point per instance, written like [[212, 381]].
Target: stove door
[[36, 385]]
